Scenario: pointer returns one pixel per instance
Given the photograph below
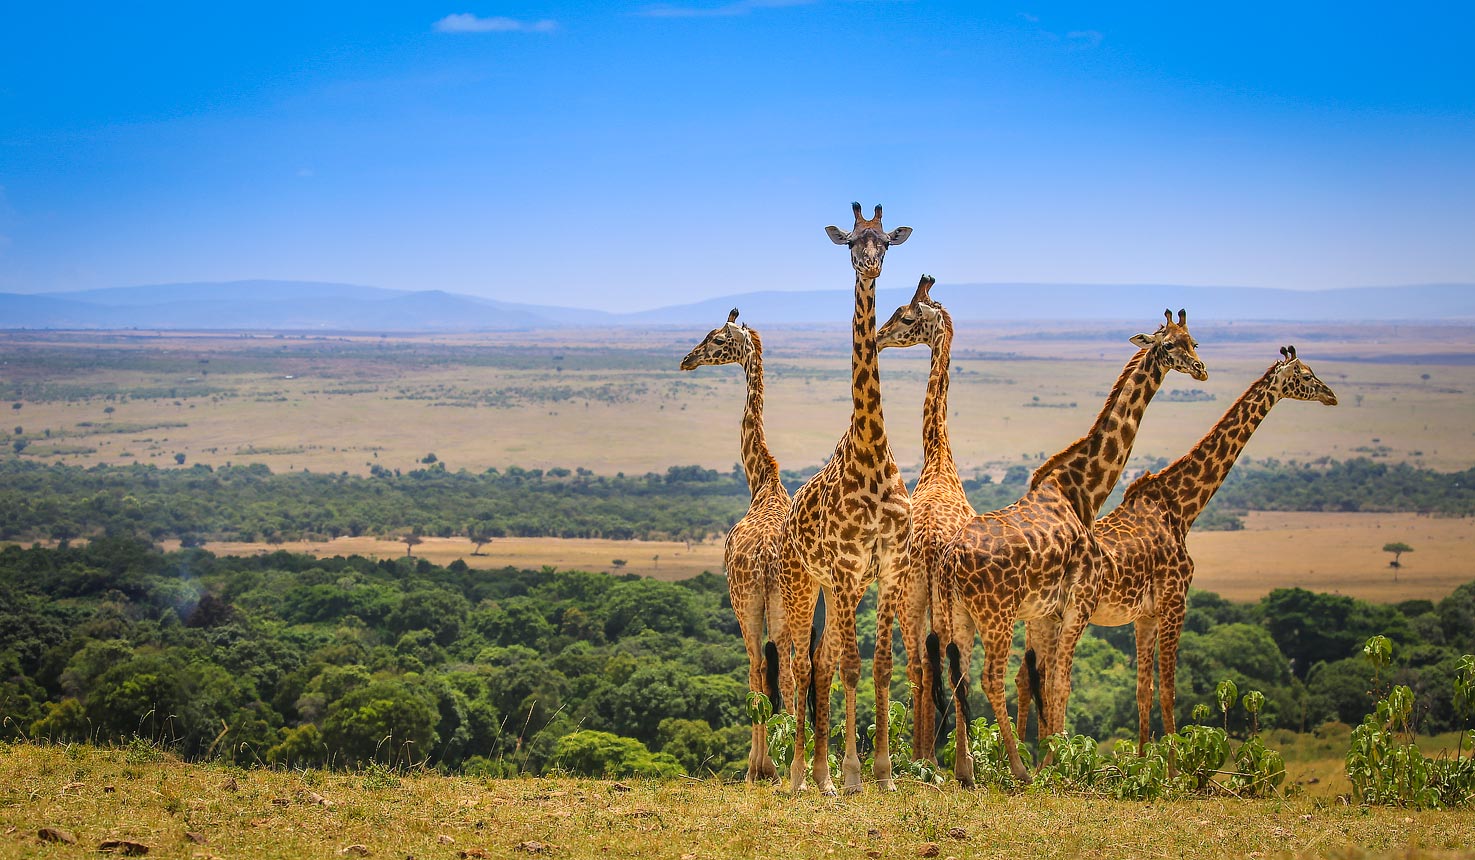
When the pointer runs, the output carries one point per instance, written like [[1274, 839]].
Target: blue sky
[[625, 156]]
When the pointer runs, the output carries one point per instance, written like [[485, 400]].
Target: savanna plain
[[613, 402]]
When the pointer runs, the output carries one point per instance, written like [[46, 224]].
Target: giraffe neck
[[758, 463], [937, 453], [867, 426], [1088, 470], [1191, 481]]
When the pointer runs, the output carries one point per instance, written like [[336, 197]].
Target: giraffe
[[750, 553], [1144, 539], [1031, 559], [939, 508], [849, 522]]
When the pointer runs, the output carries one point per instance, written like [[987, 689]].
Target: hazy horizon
[[645, 155]]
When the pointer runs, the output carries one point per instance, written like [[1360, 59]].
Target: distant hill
[[290, 305], [1005, 302], [308, 305]]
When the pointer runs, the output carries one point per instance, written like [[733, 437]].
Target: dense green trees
[[686, 502], [293, 660]]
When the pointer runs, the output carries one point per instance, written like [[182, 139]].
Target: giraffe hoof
[[887, 785], [829, 790]]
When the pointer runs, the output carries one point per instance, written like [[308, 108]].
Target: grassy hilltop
[[193, 811]]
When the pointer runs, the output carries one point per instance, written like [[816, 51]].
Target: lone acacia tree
[[1398, 548], [480, 535]]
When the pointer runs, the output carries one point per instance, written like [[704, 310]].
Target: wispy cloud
[[465, 22], [739, 7], [1033, 19], [1085, 38]]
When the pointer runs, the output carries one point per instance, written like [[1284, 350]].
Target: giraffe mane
[[947, 318], [1070, 450], [1143, 481]]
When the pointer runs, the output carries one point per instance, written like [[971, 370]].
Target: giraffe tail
[[960, 684], [934, 664], [939, 700], [1036, 688], [770, 675]]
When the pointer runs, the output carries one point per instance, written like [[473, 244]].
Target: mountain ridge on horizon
[[308, 305]]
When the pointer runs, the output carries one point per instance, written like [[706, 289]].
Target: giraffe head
[[868, 241], [922, 320], [1173, 347], [729, 343], [1290, 377]]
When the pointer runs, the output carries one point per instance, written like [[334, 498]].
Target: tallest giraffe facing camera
[[851, 521]]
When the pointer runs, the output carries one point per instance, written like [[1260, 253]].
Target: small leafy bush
[[1384, 764]]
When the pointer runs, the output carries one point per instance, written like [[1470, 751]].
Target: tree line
[[251, 503]]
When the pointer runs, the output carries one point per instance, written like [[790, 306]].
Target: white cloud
[[465, 22], [740, 7], [1032, 19], [1087, 38]]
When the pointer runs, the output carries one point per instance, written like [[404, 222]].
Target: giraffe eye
[[908, 320]]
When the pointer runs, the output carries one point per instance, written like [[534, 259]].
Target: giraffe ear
[[838, 236], [1143, 340], [899, 235]]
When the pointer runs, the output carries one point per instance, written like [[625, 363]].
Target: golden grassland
[[1340, 553], [346, 403], [322, 408], [180, 810]]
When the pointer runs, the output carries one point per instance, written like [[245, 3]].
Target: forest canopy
[[296, 660]]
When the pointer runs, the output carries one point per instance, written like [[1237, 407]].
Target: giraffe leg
[[1170, 628], [1146, 629], [778, 633], [824, 673], [749, 608], [881, 673], [960, 643], [921, 675], [897, 579], [1044, 634], [995, 660], [1024, 684], [847, 649], [799, 598], [1078, 608]]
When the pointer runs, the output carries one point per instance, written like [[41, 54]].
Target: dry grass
[[99, 795], [1331, 552], [1336, 553], [306, 422]]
